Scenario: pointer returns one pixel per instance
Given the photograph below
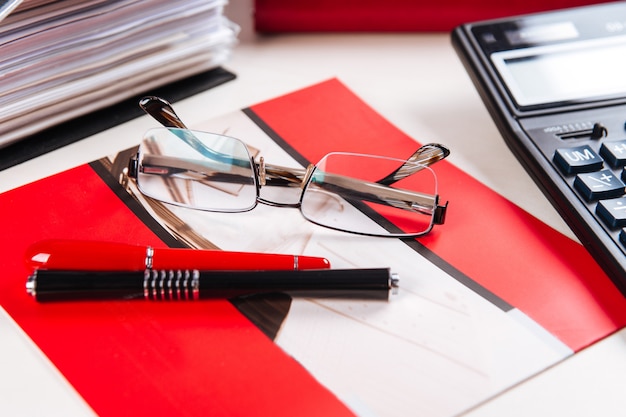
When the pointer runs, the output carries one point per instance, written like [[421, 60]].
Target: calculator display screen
[[579, 71]]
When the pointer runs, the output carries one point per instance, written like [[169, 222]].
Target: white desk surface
[[417, 82]]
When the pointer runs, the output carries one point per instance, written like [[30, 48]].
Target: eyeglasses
[[356, 193]]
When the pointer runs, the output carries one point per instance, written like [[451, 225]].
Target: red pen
[[109, 256]]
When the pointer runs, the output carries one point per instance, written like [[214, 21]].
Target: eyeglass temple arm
[[163, 165], [423, 157], [279, 176], [353, 189], [347, 187], [169, 165]]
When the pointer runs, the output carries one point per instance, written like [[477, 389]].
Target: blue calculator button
[[613, 212], [577, 160], [622, 237], [599, 185], [614, 152]]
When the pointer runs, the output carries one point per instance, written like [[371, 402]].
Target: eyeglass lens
[[343, 193], [204, 171]]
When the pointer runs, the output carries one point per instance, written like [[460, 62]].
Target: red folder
[[390, 15], [206, 358]]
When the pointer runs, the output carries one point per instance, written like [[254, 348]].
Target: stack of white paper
[[62, 59]]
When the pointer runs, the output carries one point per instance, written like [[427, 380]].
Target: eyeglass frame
[[291, 177]]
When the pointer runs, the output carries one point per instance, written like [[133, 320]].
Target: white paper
[[64, 59]]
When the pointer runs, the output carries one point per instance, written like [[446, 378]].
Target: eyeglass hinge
[[133, 166], [262, 173], [440, 213], [307, 175]]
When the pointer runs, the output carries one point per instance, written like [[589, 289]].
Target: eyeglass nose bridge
[[282, 179], [267, 174], [439, 216]]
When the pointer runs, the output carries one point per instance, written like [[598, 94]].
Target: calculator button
[[622, 237], [577, 160], [613, 212], [614, 152], [599, 185]]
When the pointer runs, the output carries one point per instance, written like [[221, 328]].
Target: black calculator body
[[555, 85]]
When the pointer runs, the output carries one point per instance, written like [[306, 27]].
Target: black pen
[[151, 284]]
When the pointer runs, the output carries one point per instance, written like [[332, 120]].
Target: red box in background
[[390, 15]]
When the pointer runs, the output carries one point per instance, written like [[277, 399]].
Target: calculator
[[555, 85]]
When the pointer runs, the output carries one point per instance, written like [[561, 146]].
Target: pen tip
[[30, 284], [394, 282]]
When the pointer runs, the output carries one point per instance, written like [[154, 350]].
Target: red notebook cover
[[207, 358], [391, 15]]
